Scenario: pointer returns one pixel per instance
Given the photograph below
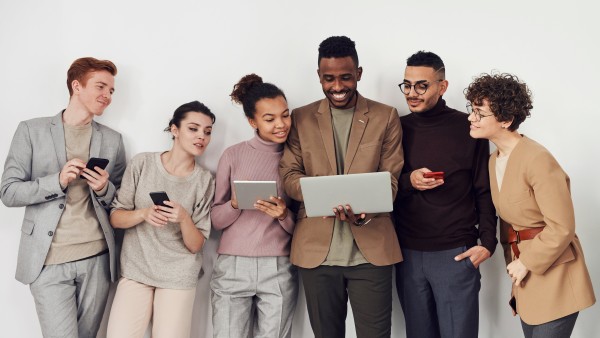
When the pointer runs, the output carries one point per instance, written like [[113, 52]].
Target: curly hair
[[338, 47], [509, 98], [250, 89]]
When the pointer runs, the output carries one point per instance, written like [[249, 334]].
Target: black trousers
[[369, 288]]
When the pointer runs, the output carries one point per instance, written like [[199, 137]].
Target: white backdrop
[[168, 54]]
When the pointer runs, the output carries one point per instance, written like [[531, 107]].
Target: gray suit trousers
[[70, 297]]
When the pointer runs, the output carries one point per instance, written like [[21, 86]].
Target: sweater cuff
[[233, 212], [489, 244], [288, 223]]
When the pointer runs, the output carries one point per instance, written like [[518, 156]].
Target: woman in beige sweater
[[160, 258]]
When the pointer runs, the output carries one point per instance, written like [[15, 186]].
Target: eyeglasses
[[477, 112], [420, 87]]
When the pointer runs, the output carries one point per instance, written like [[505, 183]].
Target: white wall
[[173, 53]]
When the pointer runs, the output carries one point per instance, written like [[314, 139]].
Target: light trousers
[[136, 303], [253, 297], [70, 297]]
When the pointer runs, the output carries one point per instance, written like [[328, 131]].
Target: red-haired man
[[67, 251]]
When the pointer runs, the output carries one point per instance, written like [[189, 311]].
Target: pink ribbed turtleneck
[[250, 232]]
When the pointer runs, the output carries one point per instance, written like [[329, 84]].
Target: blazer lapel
[[359, 124], [324, 119], [512, 167], [58, 138], [96, 140]]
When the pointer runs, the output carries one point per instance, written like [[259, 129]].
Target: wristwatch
[[361, 221]]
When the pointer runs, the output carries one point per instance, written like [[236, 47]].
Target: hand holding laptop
[[345, 214], [340, 195]]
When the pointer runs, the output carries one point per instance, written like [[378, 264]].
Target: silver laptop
[[365, 193]]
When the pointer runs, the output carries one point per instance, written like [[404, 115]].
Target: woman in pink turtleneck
[[253, 284]]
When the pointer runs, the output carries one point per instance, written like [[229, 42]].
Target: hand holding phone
[[438, 175], [95, 162], [158, 197]]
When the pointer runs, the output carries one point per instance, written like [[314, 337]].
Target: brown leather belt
[[515, 237]]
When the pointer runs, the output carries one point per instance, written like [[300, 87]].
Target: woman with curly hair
[[531, 193], [254, 285]]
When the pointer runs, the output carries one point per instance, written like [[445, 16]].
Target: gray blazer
[[30, 179]]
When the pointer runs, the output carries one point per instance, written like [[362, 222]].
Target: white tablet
[[248, 192], [365, 193]]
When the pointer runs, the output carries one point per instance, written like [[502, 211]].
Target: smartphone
[[438, 175], [158, 197], [95, 162], [513, 304]]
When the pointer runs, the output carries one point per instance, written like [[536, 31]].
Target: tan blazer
[[535, 193], [374, 145]]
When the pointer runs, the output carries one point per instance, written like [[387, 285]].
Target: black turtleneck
[[445, 217]]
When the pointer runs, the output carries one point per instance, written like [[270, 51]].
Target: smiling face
[[425, 77], [272, 119], [486, 126], [339, 78], [193, 134], [95, 94]]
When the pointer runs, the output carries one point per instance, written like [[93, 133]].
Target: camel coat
[[535, 192]]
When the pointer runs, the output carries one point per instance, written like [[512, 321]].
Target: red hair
[[81, 68]]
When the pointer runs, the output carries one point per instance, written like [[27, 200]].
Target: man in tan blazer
[[347, 256]]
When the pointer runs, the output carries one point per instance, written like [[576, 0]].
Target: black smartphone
[[513, 304], [158, 197], [95, 162]]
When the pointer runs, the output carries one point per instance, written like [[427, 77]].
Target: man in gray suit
[[67, 252]]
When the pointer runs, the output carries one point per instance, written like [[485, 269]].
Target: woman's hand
[[278, 210], [233, 200], [193, 239], [154, 216], [517, 271], [174, 212]]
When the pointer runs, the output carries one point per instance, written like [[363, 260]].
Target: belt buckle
[[518, 236]]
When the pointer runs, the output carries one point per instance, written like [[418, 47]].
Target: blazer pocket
[[519, 197], [369, 145], [567, 256], [27, 227]]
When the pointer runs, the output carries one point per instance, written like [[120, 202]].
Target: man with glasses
[[440, 219]]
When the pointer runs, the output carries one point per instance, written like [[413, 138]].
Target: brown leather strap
[[515, 237]]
